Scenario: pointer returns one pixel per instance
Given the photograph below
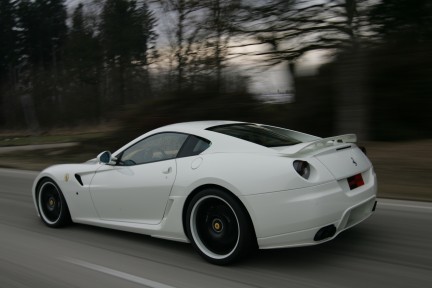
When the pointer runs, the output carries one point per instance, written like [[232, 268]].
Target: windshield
[[257, 134]]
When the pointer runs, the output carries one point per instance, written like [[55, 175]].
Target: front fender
[[76, 192]]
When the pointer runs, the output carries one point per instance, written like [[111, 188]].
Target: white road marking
[[18, 172], [8, 149], [424, 206], [118, 274]]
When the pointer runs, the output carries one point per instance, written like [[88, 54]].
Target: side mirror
[[105, 157]]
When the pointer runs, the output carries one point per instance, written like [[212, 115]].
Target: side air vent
[[78, 178]]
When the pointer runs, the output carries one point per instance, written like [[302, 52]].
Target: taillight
[[355, 181], [302, 168]]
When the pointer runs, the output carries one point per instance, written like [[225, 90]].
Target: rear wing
[[322, 143]]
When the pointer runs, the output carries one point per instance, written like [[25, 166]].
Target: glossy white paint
[[286, 209], [142, 200]]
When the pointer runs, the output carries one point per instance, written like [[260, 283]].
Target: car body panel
[[285, 208], [142, 200], [290, 211]]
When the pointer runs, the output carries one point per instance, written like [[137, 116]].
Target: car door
[[137, 188]]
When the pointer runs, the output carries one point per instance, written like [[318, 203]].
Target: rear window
[[257, 134], [194, 145]]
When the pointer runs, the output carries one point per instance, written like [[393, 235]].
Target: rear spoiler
[[322, 143]]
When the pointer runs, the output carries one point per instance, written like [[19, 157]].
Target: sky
[[263, 80]]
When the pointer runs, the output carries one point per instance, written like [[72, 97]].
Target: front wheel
[[219, 227], [52, 205]]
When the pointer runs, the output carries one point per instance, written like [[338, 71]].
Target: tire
[[52, 205], [219, 227]]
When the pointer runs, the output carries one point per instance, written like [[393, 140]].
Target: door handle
[[167, 171]]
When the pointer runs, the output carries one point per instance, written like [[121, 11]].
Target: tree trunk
[[29, 112], [352, 95], [180, 38]]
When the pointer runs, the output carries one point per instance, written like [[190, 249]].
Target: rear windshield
[[257, 134]]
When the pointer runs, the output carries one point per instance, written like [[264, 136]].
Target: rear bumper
[[292, 218]]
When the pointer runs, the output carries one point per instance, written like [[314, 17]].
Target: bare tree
[[290, 28], [219, 30], [186, 31], [127, 32]]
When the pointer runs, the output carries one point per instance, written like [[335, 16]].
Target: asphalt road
[[391, 249]]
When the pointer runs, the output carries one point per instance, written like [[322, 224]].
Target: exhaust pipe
[[325, 232], [374, 207]]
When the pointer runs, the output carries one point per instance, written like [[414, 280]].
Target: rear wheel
[[218, 227], [52, 204]]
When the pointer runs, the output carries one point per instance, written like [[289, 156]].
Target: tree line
[[62, 65]]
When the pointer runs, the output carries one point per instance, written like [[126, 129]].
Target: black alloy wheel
[[218, 227], [52, 206]]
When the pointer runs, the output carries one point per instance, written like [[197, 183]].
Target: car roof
[[197, 125], [221, 142]]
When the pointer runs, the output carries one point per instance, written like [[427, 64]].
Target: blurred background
[[89, 76]]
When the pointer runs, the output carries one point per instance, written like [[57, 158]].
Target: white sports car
[[225, 186]]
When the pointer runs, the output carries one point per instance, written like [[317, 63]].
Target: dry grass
[[404, 169]]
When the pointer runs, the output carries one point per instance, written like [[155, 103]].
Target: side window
[[193, 146], [158, 147]]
